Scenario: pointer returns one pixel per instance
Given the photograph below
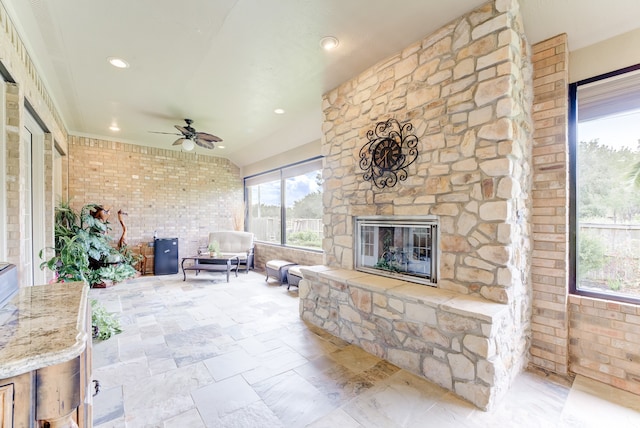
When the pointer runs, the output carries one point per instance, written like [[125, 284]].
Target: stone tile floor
[[206, 353]]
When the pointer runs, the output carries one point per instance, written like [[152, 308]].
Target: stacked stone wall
[[466, 91]]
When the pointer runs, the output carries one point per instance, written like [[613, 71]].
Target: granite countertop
[[43, 325]]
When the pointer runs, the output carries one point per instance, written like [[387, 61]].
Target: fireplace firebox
[[398, 247]]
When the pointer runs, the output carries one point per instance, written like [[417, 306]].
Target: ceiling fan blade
[[208, 137], [178, 141], [204, 143], [167, 133], [182, 129]]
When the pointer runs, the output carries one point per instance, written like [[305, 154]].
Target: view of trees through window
[[291, 197], [304, 210], [265, 211], [607, 185]]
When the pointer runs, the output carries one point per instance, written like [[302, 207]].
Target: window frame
[[573, 184], [284, 172]]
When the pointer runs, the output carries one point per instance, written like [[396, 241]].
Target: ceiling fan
[[189, 136]]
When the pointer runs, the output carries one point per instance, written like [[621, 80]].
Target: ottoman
[[294, 275], [278, 270]]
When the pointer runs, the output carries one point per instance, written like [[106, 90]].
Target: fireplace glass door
[[398, 247]]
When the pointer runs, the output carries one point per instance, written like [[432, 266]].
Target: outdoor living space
[[462, 252]]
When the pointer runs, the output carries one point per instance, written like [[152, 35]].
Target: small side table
[[211, 264]]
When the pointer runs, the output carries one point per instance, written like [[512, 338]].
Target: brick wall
[[14, 176], [549, 324], [266, 252], [177, 194], [17, 60], [605, 341], [570, 334], [49, 198], [27, 85]]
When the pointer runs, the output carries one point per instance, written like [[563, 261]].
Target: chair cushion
[[232, 241], [277, 264], [241, 256], [295, 270]]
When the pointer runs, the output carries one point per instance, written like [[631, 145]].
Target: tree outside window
[[285, 205]]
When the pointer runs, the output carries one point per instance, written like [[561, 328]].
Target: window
[[605, 185], [285, 205], [264, 200]]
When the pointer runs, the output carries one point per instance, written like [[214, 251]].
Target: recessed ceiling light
[[279, 111], [329, 43], [118, 62], [114, 128], [220, 147]]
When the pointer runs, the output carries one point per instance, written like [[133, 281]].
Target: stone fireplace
[[466, 90], [398, 247]]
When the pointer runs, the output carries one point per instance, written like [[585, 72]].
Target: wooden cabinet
[[60, 395], [16, 403], [146, 264], [45, 365], [84, 416], [6, 405]]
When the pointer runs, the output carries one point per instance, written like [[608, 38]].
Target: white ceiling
[[227, 64]]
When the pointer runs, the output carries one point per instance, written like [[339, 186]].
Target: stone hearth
[[456, 341]]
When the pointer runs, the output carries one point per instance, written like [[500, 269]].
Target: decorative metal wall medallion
[[390, 150]]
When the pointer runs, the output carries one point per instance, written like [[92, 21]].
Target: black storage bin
[[165, 255]]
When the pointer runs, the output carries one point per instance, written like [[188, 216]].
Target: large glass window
[[285, 205], [605, 208], [265, 219]]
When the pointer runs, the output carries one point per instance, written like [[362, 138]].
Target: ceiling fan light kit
[[187, 144]]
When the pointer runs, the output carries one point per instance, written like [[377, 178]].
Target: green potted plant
[[214, 248], [82, 250], [104, 323], [82, 253]]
